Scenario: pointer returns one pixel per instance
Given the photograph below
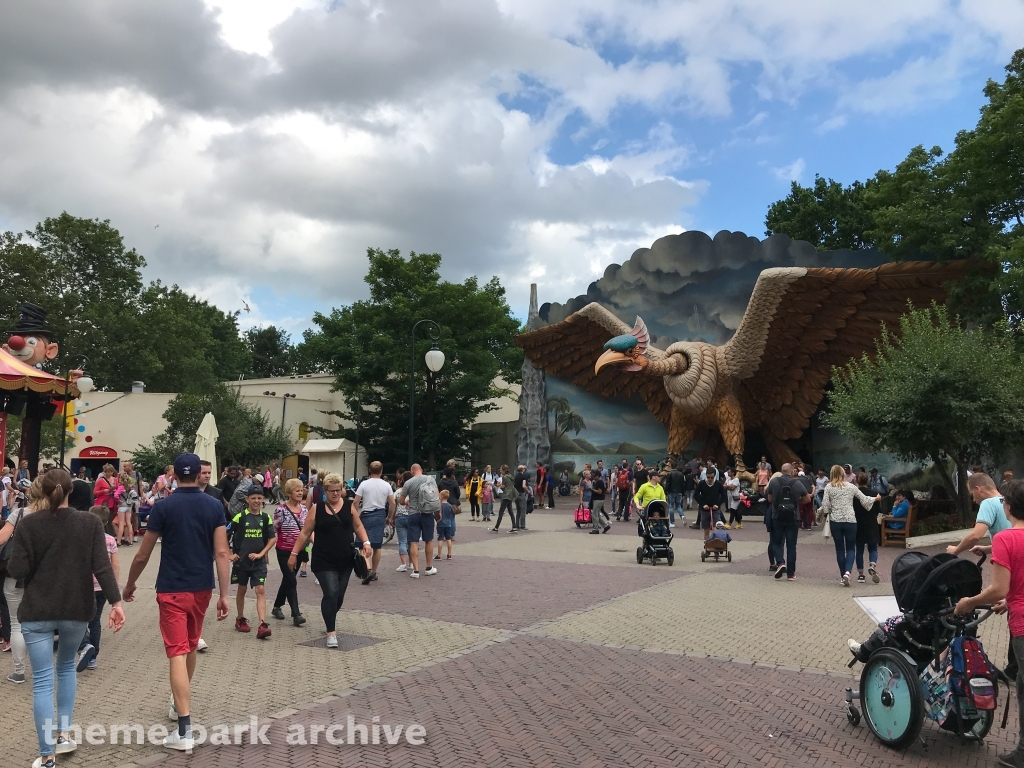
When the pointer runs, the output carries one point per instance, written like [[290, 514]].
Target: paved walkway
[[552, 647]]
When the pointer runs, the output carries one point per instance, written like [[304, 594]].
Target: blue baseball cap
[[187, 465]]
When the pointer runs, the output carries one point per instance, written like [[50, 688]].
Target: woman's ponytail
[[56, 487]]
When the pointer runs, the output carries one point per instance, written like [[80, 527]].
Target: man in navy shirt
[[191, 524]]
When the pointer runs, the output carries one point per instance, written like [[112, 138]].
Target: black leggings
[[288, 590], [506, 505], [735, 515], [474, 506], [333, 582]]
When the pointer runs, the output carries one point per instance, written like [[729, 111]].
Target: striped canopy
[[14, 374]]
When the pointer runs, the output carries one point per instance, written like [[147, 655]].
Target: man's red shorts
[[181, 619]]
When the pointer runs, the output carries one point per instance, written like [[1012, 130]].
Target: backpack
[[430, 502], [785, 505], [622, 480], [971, 676]]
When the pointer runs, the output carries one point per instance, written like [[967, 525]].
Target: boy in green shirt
[[252, 537]]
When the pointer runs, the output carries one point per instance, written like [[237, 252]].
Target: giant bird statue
[[770, 376]]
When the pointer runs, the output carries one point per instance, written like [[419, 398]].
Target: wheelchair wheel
[[389, 533], [853, 716], [639, 555], [891, 698]]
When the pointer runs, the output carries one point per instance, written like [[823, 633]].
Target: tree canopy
[[367, 346], [91, 285], [935, 391], [968, 203], [271, 352]]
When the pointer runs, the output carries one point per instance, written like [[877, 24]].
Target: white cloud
[[274, 141], [792, 172], [832, 124]]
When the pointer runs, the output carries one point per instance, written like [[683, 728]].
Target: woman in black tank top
[[336, 528]]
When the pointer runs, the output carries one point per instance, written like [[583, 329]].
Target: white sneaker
[[854, 647], [180, 743], [201, 647], [671, 525], [64, 745], [430, 571], [414, 575], [402, 568], [172, 714], [316, 581], [38, 763], [332, 641]]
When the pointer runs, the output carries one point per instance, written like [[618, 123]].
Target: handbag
[[359, 564], [827, 529]]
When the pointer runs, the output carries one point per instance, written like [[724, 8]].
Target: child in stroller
[[652, 527], [926, 661]]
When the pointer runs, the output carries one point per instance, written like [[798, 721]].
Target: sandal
[[449, 557]]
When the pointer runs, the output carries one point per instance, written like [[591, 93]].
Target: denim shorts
[[420, 527], [446, 530], [373, 523]]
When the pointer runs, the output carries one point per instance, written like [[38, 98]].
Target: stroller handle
[[966, 625]]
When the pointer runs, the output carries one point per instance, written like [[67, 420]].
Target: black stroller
[[906, 675], [652, 527]]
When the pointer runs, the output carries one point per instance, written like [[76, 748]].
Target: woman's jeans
[[872, 555], [845, 537], [333, 583], [39, 640], [402, 532], [18, 650], [289, 583]]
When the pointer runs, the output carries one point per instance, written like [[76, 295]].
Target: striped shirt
[[287, 526]]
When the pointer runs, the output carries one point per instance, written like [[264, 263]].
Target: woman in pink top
[[289, 518], [1006, 592]]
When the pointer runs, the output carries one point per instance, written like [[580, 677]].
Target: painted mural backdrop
[[686, 287]]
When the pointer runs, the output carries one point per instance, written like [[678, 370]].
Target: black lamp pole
[[435, 335]]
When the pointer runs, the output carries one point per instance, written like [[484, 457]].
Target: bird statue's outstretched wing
[[802, 321], [568, 350]]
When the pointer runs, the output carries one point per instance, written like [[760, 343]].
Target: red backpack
[[622, 479]]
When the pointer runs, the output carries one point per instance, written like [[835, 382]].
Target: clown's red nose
[[16, 343]]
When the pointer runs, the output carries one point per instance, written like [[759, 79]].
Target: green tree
[[933, 392], [91, 285], [271, 351], [366, 345], [248, 436], [826, 214], [49, 437]]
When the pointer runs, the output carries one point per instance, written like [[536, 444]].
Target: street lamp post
[[434, 360], [85, 384], [284, 405]]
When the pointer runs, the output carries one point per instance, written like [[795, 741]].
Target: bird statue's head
[[626, 351]]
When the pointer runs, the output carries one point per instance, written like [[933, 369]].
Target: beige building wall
[[123, 422], [119, 421]]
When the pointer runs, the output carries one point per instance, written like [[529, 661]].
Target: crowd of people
[[61, 538]]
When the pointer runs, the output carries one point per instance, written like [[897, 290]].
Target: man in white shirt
[[374, 501]]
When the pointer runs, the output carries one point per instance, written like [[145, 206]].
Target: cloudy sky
[[253, 149]]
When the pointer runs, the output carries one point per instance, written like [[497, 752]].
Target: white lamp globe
[[84, 384], [435, 359]]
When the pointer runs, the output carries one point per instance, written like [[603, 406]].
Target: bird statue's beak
[[611, 357]]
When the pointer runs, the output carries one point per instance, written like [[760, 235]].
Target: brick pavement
[[548, 648]]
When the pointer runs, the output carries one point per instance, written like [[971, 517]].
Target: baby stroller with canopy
[[926, 662], [652, 527]]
